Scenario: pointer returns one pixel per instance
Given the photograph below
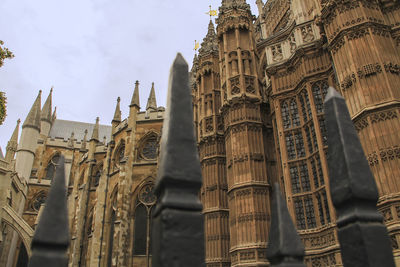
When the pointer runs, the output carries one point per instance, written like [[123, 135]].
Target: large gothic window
[[51, 167], [142, 220]]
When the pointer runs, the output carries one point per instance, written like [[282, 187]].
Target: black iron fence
[[178, 231]]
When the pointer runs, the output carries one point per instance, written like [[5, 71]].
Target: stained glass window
[[299, 210], [323, 131], [294, 176], [149, 148], [319, 90], [320, 209], [314, 137], [308, 136], [310, 215], [290, 146], [305, 179], [294, 113], [314, 173], [285, 115], [96, 178], [298, 136]]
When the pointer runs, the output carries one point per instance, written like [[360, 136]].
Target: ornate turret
[[151, 101], [46, 119], [12, 144], [210, 42], [246, 166]]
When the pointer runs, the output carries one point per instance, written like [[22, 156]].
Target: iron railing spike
[[51, 239], [285, 248], [362, 236], [178, 234]]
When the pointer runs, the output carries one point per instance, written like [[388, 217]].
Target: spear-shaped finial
[[179, 180], [51, 240], [284, 245], [363, 238]]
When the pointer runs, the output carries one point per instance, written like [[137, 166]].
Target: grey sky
[[93, 51]]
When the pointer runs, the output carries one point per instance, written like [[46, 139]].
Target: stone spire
[[260, 6], [135, 97], [54, 116], [83, 145], [12, 143], [95, 134], [46, 111], [117, 113], [151, 101], [210, 42], [33, 118], [71, 140]]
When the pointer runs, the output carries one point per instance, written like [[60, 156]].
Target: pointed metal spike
[[178, 210], [51, 239], [284, 245], [349, 170], [179, 162], [363, 238]]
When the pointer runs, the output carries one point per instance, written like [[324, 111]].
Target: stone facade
[[258, 86]]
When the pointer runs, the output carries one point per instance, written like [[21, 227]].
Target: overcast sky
[[93, 51]]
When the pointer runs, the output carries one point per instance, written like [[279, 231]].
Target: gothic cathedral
[[258, 86]]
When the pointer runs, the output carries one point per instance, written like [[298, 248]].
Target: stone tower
[[363, 38], [246, 168], [210, 133]]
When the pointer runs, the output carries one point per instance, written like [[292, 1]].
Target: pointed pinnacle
[[14, 136], [151, 101], [95, 133], [135, 96], [83, 145], [117, 113], [351, 180], [46, 111], [179, 162], [284, 243], [51, 234], [33, 117]]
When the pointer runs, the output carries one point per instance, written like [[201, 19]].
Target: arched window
[[142, 232], [51, 167]]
